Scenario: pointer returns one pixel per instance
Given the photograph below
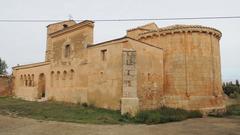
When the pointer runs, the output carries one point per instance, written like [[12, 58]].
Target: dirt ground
[[202, 126]]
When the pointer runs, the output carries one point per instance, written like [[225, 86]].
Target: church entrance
[[41, 86]]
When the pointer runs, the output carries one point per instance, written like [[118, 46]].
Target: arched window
[[21, 80], [29, 81], [32, 78], [25, 80], [57, 78], [41, 89], [67, 51], [64, 75], [52, 76], [71, 74], [72, 82], [58, 75]]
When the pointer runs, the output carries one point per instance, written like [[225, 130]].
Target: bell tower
[[52, 28]]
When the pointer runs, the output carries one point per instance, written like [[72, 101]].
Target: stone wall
[[177, 66], [54, 28], [69, 81], [60, 30], [5, 85], [105, 75], [27, 81], [149, 66], [192, 69], [143, 79]]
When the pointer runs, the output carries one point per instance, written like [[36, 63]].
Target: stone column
[[129, 100]]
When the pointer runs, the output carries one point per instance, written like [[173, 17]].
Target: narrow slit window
[[67, 51], [104, 53], [129, 83], [128, 72]]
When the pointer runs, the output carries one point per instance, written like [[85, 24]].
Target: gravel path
[[202, 126]]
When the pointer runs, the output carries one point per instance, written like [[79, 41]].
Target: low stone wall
[[5, 85]]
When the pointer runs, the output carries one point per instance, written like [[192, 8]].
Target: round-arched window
[[67, 51]]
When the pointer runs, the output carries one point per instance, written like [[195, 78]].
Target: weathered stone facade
[[176, 66], [5, 85]]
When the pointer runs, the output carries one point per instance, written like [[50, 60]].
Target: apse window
[[67, 51], [104, 53]]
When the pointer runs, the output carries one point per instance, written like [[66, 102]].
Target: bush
[[234, 95], [127, 118], [230, 89], [233, 110], [165, 114], [84, 104], [195, 114]]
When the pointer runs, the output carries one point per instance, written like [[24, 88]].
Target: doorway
[[41, 86]]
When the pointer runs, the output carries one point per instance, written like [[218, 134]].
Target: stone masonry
[[176, 66], [129, 100]]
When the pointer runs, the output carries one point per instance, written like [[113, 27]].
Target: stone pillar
[[129, 100]]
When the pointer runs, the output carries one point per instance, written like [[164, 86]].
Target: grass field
[[58, 111]]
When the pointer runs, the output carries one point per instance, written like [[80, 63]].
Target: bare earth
[[202, 126]]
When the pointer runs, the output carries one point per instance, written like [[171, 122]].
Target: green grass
[[233, 110], [58, 111], [165, 114]]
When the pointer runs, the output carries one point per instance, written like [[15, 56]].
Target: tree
[[3, 67], [237, 83], [223, 85], [231, 89]]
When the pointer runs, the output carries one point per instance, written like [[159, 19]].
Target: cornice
[[181, 29], [71, 28], [30, 65]]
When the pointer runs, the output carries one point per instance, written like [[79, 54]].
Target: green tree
[[231, 89], [3, 67], [237, 83], [223, 85]]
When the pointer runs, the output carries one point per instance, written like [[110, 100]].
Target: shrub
[[126, 118], [165, 114], [233, 110], [84, 104], [230, 89], [195, 114], [234, 95]]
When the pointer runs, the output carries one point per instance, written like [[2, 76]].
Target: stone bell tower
[[51, 28]]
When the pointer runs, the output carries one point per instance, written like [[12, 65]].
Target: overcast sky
[[23, 43]]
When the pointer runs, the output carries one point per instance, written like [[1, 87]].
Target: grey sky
[[23, 43]]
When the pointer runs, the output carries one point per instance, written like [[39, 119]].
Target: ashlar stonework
[[176, 66]]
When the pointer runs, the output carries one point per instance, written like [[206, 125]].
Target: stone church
[[176, 66]]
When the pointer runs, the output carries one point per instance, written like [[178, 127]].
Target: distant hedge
[[231, 89]]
